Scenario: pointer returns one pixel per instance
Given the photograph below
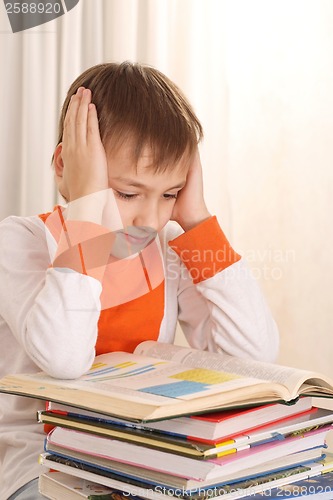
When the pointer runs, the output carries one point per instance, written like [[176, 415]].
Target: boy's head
[[138, 103]]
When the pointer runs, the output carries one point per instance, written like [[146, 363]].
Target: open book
[[160, 381]]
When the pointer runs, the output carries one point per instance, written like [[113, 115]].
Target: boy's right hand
[[83, 154]]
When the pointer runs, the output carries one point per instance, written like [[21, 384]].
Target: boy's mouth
[[132, 240]]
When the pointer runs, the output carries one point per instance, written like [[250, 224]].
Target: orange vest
[[123, 326]]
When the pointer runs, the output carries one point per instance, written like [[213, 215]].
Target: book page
[[292, 378], [146, 387], [140, 379], [161, 378]]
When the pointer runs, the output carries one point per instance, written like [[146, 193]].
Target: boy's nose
[[147, 218]]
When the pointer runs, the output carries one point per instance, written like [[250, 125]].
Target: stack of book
[[172, 421], [147, 462]]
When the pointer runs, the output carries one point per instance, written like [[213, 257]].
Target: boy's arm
[[221, 306], [52, 313], [190, 208], [80, 160], [84, 243], [49, 299]]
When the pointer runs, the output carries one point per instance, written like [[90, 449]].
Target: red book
[[217, 426]]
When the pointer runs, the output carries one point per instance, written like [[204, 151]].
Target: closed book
[[299, 424], [206, 428], [180, 465], [146, 436], [68, 487], [235, 489], [152, 479], [223, 424], [143, 436], [319, 487]]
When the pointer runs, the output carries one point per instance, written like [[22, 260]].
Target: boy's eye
[[125, 196], [131, 196], [169, 196]]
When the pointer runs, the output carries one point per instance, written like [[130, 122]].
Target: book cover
[[227, 423], [327, 462], [67, 487]]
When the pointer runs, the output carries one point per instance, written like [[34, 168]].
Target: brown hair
[[139, 102]]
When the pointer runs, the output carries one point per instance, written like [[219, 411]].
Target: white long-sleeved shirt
[[49, 321]]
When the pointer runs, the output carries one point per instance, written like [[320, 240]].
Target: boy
[[108, 270]]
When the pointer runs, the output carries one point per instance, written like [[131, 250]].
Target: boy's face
[[144, 198]]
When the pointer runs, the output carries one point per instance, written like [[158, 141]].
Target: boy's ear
[[57, 160], [59, 172]]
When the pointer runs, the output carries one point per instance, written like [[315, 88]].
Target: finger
[[70, 118], [196, 162], [82, 117], [93, 134], [195, 170]]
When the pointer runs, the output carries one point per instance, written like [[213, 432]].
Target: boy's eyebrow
[[135, 183]]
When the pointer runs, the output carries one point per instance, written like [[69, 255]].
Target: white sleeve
[[228, 313], [52, 313], [220, 305]]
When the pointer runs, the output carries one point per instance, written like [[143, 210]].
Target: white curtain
[[260, 76]]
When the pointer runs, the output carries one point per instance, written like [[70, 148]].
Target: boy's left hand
[[190, 207]]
